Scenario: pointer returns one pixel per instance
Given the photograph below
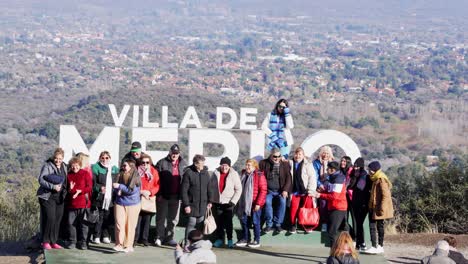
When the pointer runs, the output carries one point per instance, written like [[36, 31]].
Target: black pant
[[75, 221], [223, 214], [376, 228], [167, 217], [358, 215], [105, 221], [143, 226], [335, 220], [52, 212]]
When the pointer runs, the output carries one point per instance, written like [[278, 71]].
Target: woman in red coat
[[254, 190], [78, 200], [149, 187]]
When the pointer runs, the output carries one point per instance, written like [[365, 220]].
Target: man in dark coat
[[196, 194], [278, 175], [171, 170]]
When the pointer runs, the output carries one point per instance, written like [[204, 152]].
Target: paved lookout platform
[[282, 248]]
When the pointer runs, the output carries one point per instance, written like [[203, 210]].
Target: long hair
[[349, 164], [84, 159], [282, 100], [326, 149], [338, 249], [134, 179]]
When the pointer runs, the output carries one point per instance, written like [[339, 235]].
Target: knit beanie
[[374, 166], [225, 160], [334, 165]]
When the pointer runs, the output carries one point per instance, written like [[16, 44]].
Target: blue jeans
[[255, 220], [274, 216]]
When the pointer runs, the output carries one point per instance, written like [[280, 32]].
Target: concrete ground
[[165, 255]]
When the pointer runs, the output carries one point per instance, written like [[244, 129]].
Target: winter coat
[[164, 168], [309, 178], [360, 198], [260, 188], [200, 252], [82, 182], [151, 185], [46, 188], [195, 190], [99, 180], [346, 259], [439, 257], [380, 201], [266, 166], [336, 195], [232, 187]]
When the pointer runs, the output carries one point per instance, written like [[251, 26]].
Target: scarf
[[277, 125], [298, 183], [246, 201], [108, 194], [143, 171], [323, 169], [380, 175]]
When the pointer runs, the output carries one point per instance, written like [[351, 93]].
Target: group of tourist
[[94, 198]]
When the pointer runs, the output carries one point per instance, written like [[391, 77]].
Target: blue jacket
[[127, 197], [317, 166]]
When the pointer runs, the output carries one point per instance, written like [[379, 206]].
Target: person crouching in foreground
[[198, 250]]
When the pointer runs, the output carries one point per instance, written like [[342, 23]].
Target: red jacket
[[336, 194], [82, 182], [153, 185], [259, 188]]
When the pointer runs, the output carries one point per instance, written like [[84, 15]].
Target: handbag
[[210, 223], [148, 204], [91, 216], [309, 216]]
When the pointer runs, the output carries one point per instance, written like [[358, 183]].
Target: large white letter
[[257, 144], [72, 143], [246, 118], [146, 122], [191, 118], [119, 119], [136, 115], [331, 137], [220, 111], [197, 137], [144, 135], [165, 119]]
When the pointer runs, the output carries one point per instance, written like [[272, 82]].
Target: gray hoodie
[[200, 252], [440, 256]]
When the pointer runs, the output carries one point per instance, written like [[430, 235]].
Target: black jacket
[[266, 166], [360, 197], [99, 180], [195, 190], [164, 168]]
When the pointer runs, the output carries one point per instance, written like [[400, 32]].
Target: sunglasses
[[145, 162], [281, 107], [277, 157], [105, 158]]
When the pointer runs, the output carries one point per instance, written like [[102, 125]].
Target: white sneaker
[[324, 227], [129, 250], [372, 251], [380, 249], [106, 240], [96, 241], [158, 242]]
